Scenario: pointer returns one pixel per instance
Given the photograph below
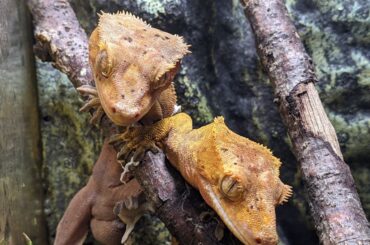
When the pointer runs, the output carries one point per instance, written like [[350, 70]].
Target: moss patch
[[193, 101]]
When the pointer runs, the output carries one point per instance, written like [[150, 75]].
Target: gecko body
[[237, 177]]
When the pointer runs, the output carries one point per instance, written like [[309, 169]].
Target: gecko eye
[[104, 64], [232, 188]]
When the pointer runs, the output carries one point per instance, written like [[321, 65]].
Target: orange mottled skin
[[237, 177]]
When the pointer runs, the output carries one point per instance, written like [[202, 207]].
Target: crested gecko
[[236, 177]]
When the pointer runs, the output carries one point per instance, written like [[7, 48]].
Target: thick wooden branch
[[61, 40], [334, 202]]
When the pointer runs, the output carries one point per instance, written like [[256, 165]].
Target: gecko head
[[239, 179], [132, 64]]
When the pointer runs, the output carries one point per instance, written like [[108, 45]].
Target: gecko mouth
[[122, 112], [123, 117], [240, 231]]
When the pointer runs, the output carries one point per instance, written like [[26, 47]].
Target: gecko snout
[[123, 115], [266, 239]]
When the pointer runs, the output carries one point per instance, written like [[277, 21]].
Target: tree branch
[[61, 40], [334, 202]]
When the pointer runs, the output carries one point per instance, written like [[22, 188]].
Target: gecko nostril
[[122, 96], [258, 240], [114, 110]]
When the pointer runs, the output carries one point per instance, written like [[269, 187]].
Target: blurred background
[[47, 147]]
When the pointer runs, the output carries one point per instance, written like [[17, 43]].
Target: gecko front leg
[[138, 140], [133, 145], [135, 142]]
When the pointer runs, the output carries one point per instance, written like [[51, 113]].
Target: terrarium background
[[223, 76]]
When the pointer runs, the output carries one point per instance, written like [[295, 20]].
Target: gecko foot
[[135, 151], [92, 102], [119, 138], [135, 144]]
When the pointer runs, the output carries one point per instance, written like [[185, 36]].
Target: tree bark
[[61, 40], [334, 202], [21, 201]]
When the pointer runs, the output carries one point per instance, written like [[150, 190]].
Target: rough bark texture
[[335, 206], [21, 199], [61, 40]]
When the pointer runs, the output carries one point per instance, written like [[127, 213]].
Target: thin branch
[[61, 40], [334, 202]]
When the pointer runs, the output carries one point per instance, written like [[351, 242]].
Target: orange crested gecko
[[236, 177], [133, 66]]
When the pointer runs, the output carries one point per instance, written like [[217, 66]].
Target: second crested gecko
[[237, 177]]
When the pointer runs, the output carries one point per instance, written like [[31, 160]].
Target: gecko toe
[[115, 138], [87, 90], [124, 152], [97, 116], [92, 103]]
